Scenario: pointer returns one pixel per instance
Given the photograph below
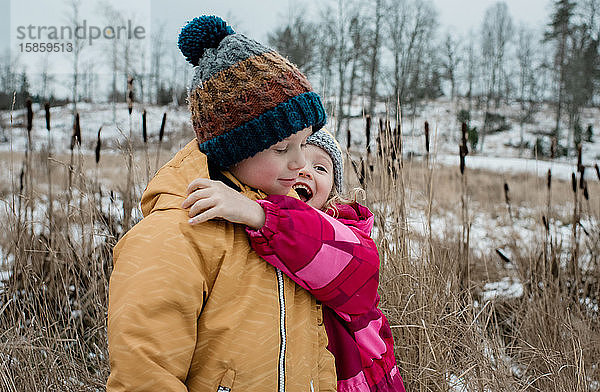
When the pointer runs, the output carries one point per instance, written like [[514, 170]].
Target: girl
[[334, 259]]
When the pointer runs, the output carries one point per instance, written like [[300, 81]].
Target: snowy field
[[491, 230], [499, 155]]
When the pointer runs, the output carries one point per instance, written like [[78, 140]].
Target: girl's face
[[275, 169], [315, 180]]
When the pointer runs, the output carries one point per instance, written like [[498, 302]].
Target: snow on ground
[[508, 287], [562, 170], [500, 152], [4, 276], [91, 118], [457, 384]]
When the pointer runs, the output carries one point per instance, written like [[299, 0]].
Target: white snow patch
[[506, 288], [560, 170]]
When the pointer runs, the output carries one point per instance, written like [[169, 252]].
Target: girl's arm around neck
[[338, 263]]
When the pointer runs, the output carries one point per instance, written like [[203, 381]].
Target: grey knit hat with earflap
[[327, 142]]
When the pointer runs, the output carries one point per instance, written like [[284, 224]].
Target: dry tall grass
[[448, 337]]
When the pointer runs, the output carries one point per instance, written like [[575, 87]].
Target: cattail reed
[[429, 189], [396, 149], [145, 138], [29, 115], [130, 94], [76, 135], [49, 174], [507, 200], [368, 133], [427, 137], [47, 110], [465, 272], [21, 181], [161, 134], [380, 139], [575, 244], [553, 147], [348, 139], [144, 132], [502, 256], [580, 167], [128, 197], [368, 136], [97, 151], [28, 163], [546, 222], [464, 150], [75, 140], [98, 147]]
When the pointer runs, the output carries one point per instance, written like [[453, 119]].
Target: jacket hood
[[168, 188], [356, 215]]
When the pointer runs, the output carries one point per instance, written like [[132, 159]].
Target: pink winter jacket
[[337, 261]]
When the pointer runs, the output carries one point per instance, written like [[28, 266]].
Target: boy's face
[[275, 169], [315, 180]]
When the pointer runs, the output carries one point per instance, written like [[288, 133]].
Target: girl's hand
[[208, 199]]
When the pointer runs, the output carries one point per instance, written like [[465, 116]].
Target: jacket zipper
[[282, 333]]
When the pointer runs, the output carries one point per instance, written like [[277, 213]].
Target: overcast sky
[[253, 18], [256, 18]]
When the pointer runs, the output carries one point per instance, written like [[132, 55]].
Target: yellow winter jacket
[[193, 308]]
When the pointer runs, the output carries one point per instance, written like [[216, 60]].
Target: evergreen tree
[[23, 92]]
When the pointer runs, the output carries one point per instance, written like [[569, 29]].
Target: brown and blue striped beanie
[[244, 97]]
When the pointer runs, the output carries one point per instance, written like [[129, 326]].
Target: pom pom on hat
[[201, 33]]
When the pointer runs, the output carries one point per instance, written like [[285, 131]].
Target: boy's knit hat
[[244, 97], [325, 140]]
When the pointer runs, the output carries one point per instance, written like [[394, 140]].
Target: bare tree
[[496, 32], [451, 62], [326, 53], [296, 41], [410, 28], [470, 70], [398, 17], [46, 78], [128, 57], [347, 48], [158, 41], [375, 53], [529, 92], [78, 46], [358, 31], [9, 78]]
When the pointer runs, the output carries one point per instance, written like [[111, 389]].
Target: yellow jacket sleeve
[[156, 294]]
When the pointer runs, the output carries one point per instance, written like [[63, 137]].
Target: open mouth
[[303, 191]]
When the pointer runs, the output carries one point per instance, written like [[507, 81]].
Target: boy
[[193, 308]]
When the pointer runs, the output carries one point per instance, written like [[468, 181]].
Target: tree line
[[394, 51], [370, 53]]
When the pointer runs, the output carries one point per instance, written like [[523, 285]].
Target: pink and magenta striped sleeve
[[335, 259]]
